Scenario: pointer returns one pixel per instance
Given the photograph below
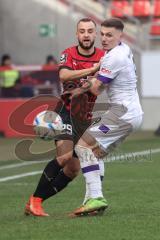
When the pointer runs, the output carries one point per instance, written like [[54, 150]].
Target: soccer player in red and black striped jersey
[[76, 64], [81, 61]]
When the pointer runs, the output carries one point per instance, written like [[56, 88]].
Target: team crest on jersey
[[63, 58]]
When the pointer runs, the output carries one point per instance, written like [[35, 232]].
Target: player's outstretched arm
[[68, 74], [93, 85]]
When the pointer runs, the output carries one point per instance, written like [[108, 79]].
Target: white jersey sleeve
[[111, 65]]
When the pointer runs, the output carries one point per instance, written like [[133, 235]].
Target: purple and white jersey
[[118, 72]]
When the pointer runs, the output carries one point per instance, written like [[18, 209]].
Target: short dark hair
[[4, 58], [50, 58], [86, 20], [113, 22]]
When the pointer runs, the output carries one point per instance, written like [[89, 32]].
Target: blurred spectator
[[6, 60], [51, 81], [50, 63], [50, 60], [8, 77]]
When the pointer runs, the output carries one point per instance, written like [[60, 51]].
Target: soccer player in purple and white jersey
[[118, 78]]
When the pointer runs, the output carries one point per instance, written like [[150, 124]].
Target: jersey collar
[[87, 56]]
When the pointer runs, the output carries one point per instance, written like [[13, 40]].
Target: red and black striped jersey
[[72, 59]]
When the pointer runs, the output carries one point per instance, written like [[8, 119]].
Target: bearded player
[[76, 63]]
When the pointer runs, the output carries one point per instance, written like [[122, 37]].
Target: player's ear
[[121, 35], [77, 33]]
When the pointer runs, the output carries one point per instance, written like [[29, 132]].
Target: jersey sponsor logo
[[104, 70], [63, 58]]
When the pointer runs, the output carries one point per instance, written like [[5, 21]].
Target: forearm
[[68, 75], [92, 85], [96, 86]]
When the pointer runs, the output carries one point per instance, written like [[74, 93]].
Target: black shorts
[[73, 127]]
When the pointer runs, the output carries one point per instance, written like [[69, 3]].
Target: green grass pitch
[[131, 186]]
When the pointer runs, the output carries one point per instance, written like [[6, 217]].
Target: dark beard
[[86, 47]]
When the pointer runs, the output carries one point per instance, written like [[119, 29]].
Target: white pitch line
[[18, 184], [132, 154], [5, 179], [23, 164], [123, 156], [17, 165]]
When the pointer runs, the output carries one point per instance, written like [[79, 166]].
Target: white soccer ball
[[48, 124]]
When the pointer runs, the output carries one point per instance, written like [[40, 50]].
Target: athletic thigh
[[109, 131]]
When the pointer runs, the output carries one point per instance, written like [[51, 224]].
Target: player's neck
[[86, 52]]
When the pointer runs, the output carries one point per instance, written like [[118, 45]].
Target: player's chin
[[105, 47], [87, 46]]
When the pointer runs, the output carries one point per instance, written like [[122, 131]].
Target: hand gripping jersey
[[72, 59]]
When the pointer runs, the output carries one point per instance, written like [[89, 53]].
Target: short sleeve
[[110, 67], [65, 60]]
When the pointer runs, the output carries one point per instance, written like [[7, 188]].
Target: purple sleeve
[[104, 79]]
